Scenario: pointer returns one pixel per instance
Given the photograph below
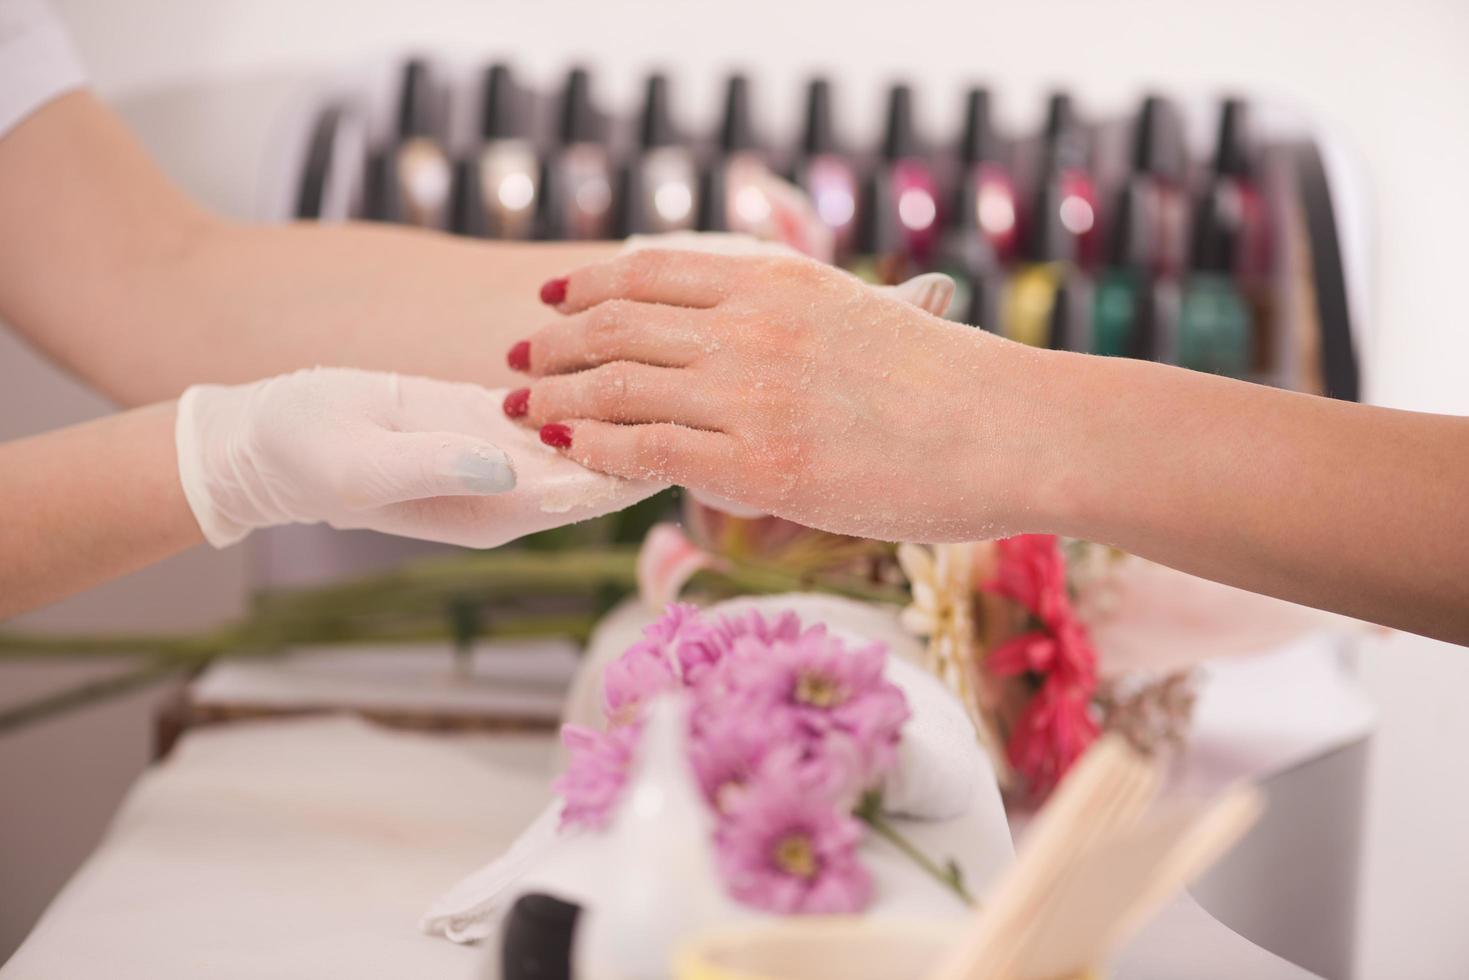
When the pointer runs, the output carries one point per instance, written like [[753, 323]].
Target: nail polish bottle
[[1233, 176], [1123, 282], [538, 937], [501, 197], [727, 199], [1215, 329], [984, 233], [986, 203], [579, 178], [901, 206], [1065, 164], [826, 173], [1061, 227], [660, 184], [416, 174]]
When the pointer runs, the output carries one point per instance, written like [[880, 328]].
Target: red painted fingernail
[[553, 291], [556, 435], [519, 356], [517, 403]]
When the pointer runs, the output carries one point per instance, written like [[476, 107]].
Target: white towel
[[942, 792]]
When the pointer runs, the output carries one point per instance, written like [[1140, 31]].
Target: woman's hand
[[788, 386], [360, 449]]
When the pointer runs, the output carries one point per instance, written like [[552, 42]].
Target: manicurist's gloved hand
[[353, 449], [411, 456]]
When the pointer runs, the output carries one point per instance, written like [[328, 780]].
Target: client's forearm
[[89, 503], [1347, 507]]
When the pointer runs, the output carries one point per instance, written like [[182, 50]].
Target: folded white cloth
[[943, 793]]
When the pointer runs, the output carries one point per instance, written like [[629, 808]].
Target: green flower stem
[[409, 604], [870, 813]]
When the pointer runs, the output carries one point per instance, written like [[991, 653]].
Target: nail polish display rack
[[1225, 236]]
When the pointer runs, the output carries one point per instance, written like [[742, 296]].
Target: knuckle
[[643, 268], [608, 385], [607, 322], [653, 446], [794, 271]]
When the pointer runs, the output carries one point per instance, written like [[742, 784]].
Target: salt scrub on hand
[[551, 489]]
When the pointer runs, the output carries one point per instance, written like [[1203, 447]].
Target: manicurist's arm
[[351, 448], [89, 503], [794, 388], [115, 273]]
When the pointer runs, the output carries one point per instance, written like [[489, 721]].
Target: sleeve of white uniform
[[37, 60]]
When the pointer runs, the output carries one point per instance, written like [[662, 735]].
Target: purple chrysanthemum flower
[[785, 850], [829, 687], [594, 776], [651, 666]]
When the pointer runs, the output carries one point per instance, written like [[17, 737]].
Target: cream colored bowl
[[820, 949]]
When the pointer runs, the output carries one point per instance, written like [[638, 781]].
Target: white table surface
[[309, 848]]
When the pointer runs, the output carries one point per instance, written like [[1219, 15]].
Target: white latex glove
[[359, 449]]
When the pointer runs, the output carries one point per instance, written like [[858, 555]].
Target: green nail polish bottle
[[1121, 286], [1215, 330]]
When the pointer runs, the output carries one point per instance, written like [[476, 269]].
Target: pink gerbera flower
[[1053, 731], [785, 850]]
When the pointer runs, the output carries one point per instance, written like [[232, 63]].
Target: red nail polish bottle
[[904, 222]]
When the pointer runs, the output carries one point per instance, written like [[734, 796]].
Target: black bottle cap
[[1232, 151], [979, 142], [500, 112], [900, 140], [1049, 239], [1157, 140], [1065, 138], [537, 939], [737, 133], [416, 100], [1131, 239], [1217, 229], [579, 122], [656, 128], [819, 135]]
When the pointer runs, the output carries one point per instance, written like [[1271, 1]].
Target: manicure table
[[309, 847]]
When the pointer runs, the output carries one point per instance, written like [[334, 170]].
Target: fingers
[[673, 278], [400, 466], [623, 392], [932, 292], [663, 452], [619, 330]]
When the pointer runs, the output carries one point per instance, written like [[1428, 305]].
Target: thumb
[[932, 291], [415, 465]]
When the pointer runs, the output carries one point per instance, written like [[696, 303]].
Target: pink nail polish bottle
[[661, 184], [903, 222], [825, 172], [580, 178]]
